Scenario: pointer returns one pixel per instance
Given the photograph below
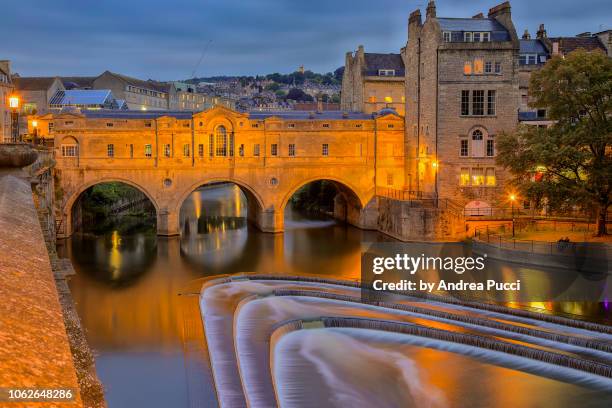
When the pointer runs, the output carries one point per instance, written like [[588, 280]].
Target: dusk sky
[[165, 39]]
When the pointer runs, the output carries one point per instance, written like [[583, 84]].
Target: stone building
[[372, 82], [6, 89], [270, 155], [462, 88], [138, 94], [36, 92]]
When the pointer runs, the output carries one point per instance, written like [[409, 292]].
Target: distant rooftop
[[82, 97], [375, 62], [285, 115], [148, 84], [498, 31], [78, 82], [532, 47], [33, 83], [569, 44]]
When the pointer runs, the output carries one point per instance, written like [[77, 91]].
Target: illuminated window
[[291, 149], [110, 150], [372, 99], [463, 148], [490, 176], [325, 149], [388, 99], [221, 141], [69, 150], [256, 150], [465, 176], [478, 66], [186, 150], [477, 177], [274, 149], [467, 68], [148, 151]]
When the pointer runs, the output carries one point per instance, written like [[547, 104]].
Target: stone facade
[[462, 87], [138, 94], [372, 82], [270, 156], [6, 89]]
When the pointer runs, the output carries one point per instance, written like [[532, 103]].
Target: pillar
[[364, 218], [168, 222]]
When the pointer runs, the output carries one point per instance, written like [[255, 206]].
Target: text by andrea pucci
[[404, 267]]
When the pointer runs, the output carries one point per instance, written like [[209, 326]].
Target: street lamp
[[512, 200], [35, 128], [14, 105]]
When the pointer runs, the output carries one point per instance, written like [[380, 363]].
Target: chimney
[[479, 15], [431, 10], [526, 35], [500, 10], [5, 66], [541, 32], [555, 48], [415, 17]]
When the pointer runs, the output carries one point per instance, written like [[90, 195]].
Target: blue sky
[[164, 39]]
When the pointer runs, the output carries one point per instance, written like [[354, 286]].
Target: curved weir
[[245, 317]]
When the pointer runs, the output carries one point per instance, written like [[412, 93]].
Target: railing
[[420, 199], [509, 213], [402, 195], [486, 235]]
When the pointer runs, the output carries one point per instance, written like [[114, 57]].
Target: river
[[126, 286]]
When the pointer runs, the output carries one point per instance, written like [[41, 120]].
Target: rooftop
[[498, 31], [569, 44], [148, 84], [81, 97], [33, 83], [375, 62], [532, 47]]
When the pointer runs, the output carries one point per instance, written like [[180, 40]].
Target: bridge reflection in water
[[126, 291]]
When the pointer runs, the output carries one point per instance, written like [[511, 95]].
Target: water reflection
[[126, 286]]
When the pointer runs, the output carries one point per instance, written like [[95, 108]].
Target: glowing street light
[[14, 105], [512, 200], [35, 128]]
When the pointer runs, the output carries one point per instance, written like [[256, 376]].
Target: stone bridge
[[268, 155]]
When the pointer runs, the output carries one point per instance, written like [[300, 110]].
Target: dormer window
[[446, 36], [386, 72], [476, 36]]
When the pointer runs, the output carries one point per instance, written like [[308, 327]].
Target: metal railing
[[487, 235]]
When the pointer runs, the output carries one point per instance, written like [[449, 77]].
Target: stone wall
[[34, 346]]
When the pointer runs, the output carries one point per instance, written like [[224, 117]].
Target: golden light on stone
[[35, 124], [14, 102]]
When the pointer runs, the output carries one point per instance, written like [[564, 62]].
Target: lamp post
[[35, 129], [512, 199], [14, 106]]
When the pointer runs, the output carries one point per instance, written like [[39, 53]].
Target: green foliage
[[315, 196], [574, 155]]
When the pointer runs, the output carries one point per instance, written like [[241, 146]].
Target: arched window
[[70, 147], [477, 143], [221, 141]]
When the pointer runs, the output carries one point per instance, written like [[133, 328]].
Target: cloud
[[164, 39]]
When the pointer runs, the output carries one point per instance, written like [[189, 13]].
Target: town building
[[36, 92], [462, 88], [6, 89], [372, 82], [137, 93]]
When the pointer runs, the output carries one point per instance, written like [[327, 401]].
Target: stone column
[[364, 218], [168, 222], [270, 220]]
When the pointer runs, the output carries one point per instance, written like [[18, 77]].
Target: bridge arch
[[351, 205], [68, 205], [255, 204]]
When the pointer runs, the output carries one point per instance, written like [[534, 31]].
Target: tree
[[571, 159], [296, 94]]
